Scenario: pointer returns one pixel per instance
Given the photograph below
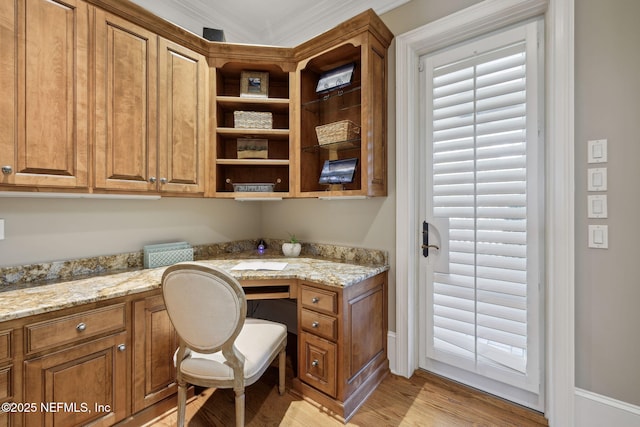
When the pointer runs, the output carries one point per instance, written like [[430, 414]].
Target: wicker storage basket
[[343, 130], [252, 120]]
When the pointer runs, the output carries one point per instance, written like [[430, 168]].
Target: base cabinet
[[155, 342], [111, 362], [9, 374], [80, 385], [343, 343]]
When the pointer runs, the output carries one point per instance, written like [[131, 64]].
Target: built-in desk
[[55, 337]]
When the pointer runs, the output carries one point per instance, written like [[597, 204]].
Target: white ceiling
[[267, 22]]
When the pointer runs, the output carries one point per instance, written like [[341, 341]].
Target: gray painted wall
[[42, 230], [607, 106]]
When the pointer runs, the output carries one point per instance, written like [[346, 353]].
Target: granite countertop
[[23, 301]]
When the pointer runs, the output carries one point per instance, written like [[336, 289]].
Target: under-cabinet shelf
[[239, 132], [280, 105], [351, 144], [337, 100], [253, 162]]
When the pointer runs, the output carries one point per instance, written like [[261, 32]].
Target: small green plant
[[293, 238]]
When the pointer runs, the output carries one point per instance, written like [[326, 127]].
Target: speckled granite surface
[[37, 274], [30, 300], [70, 283]]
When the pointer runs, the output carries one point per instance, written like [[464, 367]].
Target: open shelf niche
[[272, 167]]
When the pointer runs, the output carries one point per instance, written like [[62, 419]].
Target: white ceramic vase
[[291, 249]]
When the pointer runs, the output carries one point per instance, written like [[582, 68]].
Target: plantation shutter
[[483, 148]]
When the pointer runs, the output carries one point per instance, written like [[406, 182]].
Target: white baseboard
[[391, 351], [596, 410]]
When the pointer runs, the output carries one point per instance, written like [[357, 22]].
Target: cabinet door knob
[[122, 347], [152, 179], [315, 300], [81, 327], [315, 363], [163, 180], [315, 324], [7, 170]]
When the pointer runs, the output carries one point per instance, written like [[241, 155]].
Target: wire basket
[[343, 130], [166, 254]]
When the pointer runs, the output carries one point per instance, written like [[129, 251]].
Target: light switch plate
[[597, 179], [599, 236], [1, 229], [597, 151], [597, 206]]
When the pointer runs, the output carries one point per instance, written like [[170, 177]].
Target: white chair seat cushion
[[259, 342]]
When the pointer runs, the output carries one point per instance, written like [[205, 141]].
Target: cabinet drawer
[[319, 299], [319, 324], [318, 367], [5, 346], [76, 327]]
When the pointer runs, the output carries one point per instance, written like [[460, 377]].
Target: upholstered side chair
[[219, 347]]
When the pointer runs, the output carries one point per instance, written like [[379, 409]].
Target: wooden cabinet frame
[[155, 124]]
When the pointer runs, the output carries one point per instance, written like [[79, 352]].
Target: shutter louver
[[479, 183]]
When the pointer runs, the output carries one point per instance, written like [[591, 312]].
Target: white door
[[480, 296]]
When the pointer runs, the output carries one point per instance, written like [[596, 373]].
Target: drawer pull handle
[[315, 363], [315, 324], [122, 347], [315, 300], [81, 327]]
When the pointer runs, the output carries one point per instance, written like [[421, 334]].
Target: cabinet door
[[183, 79], [318, 365], [126, 105], [6, 393], [154, 345], [43, 93], [79, 385]]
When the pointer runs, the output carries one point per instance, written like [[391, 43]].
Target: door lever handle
[[436, 247], [425, 240]]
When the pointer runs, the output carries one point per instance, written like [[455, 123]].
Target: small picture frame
[[252, 148], [336, 78], [254, 84]]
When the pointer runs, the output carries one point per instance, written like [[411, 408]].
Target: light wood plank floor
[[424, 400]]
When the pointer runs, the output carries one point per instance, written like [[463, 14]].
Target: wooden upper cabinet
[[126, 105], [182, 106], [44, 93], [92, 100], [360, 45]]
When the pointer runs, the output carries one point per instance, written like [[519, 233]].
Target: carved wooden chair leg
[[240, 408], [182, 402], [282, 362]]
